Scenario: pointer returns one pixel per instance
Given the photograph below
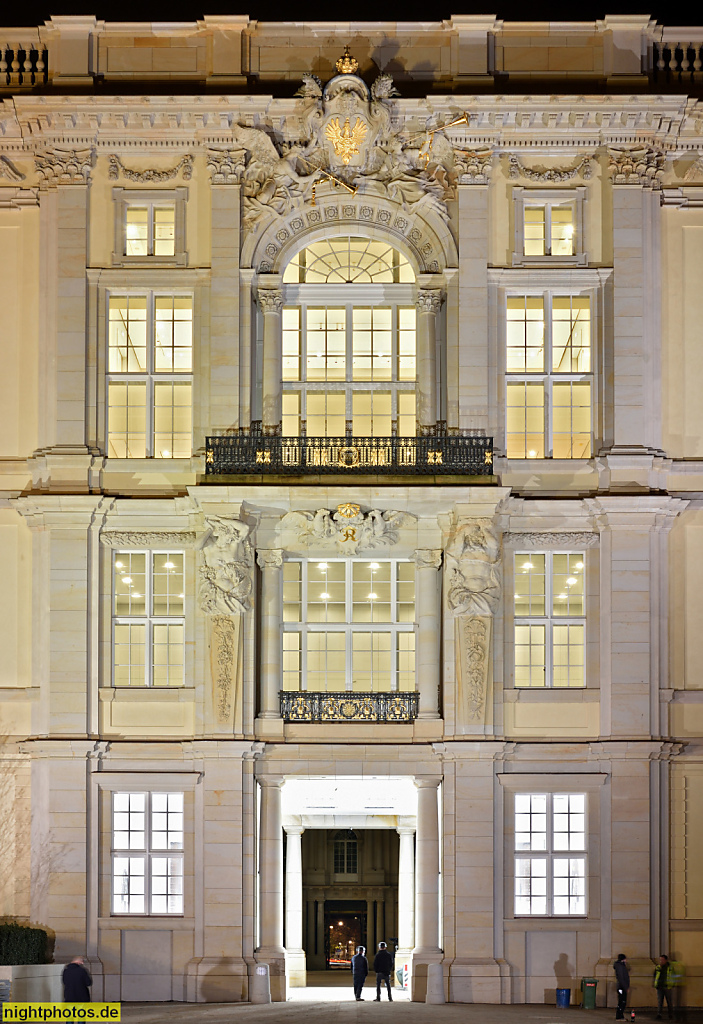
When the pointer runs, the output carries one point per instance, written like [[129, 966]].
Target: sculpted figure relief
[[347, 533], [474, 584], [226, 572]]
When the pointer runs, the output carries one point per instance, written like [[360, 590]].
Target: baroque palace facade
[[351, 500]]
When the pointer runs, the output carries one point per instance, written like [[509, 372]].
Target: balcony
[[348, 707], [442, 455]]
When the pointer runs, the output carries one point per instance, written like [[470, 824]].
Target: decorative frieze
[[473, 637], [117, 169], [552, 175], [148, 539], [225, 632], [64, 166], [636, 165], [348, 529], [227, 569], [561, 540]]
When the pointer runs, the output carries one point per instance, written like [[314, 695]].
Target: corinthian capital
[[270, 300], [269, 558], [429, 300], [428, 558]]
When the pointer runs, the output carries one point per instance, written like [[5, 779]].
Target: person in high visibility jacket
[[662, 984]]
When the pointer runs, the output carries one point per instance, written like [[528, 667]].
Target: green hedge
[[20, 944]]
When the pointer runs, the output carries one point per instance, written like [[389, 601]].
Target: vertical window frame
[[150, 377], [547, 377], [549, 620], [148, 620], [551, 854]]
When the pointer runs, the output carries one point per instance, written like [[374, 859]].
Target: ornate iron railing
[[348, 707], [233, 454]]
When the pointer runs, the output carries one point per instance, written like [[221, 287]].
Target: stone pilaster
[[427, 605], [270, 948], [295, 954], [270, 298], [270, 562], [406, 893], [429, 303]]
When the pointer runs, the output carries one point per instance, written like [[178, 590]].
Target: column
[[228, 346], [271, 303], [427, 876], [427, 562], [270, 561], [271, 869], [370, 929], [295, 955], [406, 889], [429, 302]]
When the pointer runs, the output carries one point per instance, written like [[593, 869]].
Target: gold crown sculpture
[[347, 65]]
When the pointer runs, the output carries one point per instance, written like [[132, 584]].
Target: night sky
[[35, 12]]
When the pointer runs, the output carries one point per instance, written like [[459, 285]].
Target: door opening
[[345, 929]]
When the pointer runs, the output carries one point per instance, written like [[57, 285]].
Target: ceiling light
[[579, 565], [374, 565], [322, 565], [571, 580], [127, 580], [118, 565], [324, 597], [532, 454], [169, 565], [372, 597], [527, 565]]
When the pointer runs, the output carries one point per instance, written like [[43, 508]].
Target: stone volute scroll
[[473, 595], [226, 575]]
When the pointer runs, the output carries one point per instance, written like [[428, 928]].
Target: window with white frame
[[147, 853], [549, 376], [550, 854], [550, 619], [148, 623], [348, 625], [549, 226], [346, 853], [150, 365], [349, 334], [150, 226]]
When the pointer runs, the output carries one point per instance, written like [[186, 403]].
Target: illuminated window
[[148, 623], [147, 853], [150, 230], [348, 625], [349, 366], [150, 226], [549, 377], [150, 362], [346, 853], [549, 227], [550, 619], [550, 861]]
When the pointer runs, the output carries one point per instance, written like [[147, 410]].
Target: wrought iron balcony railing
[[348, 707], [232, 454]]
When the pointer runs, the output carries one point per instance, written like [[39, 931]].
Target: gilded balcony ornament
[[347, 65]]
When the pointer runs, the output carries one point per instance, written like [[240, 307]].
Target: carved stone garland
[[473, 595], [226, 579], [117, 169], [552, 175]]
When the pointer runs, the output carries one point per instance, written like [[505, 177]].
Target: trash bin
[[588, 993], [564, 997]]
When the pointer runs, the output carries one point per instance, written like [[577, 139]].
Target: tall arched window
[[349, 326], [346, 852]]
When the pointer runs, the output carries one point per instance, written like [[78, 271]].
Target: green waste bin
[[588, 993]]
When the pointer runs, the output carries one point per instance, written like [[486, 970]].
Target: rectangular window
[[350, 349], [147, 853], [348, 625], [550, 619], [148, 626], [150, 230], [549, 377], [150, 364], [549, 229], [550, 848]]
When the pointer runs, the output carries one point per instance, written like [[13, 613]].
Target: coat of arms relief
[[344, 130]]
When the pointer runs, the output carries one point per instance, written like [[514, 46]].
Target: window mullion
[[548, 229], [150, 229]]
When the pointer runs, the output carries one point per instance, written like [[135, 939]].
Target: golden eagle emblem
[[345, 139]]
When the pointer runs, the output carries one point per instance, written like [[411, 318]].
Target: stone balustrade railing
[[23, 63], [674, 56]]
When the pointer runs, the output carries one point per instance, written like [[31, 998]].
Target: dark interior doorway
[[345, 929]]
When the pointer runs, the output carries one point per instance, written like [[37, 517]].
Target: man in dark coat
[[622, 983], [383, 966], [76, 982], [359, 968]]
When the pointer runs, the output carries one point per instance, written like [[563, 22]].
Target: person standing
[[76, 982], [383, 966], [359, 969], [662, 983], [622, 981]]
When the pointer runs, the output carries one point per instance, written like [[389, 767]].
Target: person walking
[[622, 982], [662, 983], [359, 969], [76, 982], [383, 966]]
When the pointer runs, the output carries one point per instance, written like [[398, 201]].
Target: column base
[[296, 968], [418, 976], [268, 728], [275, 957], [478, 980], [216, 979]]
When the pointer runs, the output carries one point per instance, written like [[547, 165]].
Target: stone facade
[[612, 133]]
